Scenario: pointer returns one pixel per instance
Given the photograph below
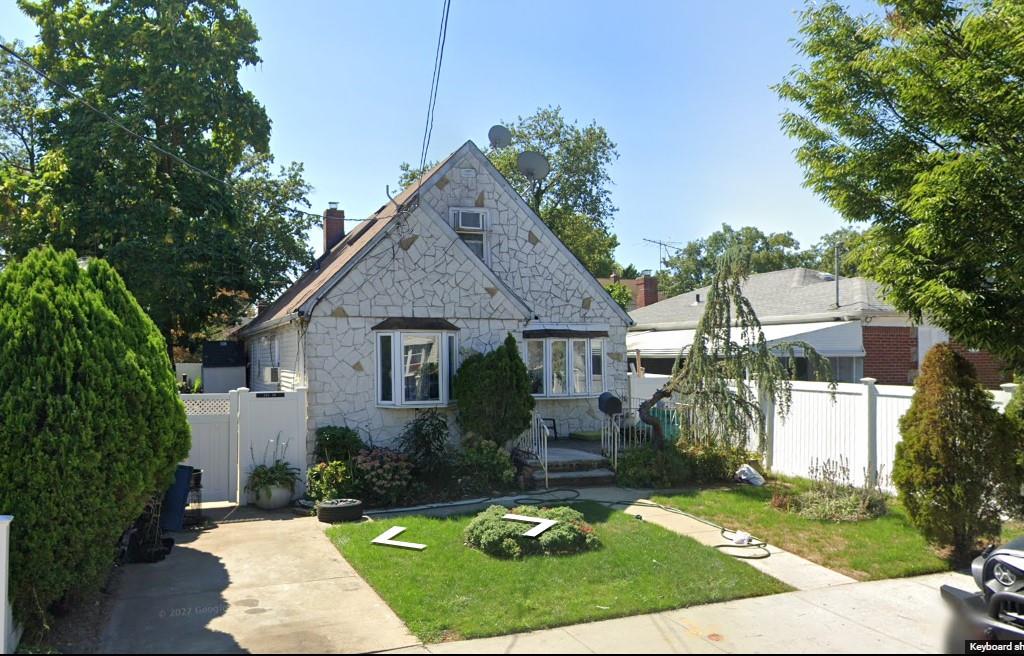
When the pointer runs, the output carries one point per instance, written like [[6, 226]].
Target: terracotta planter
[[274, 497]]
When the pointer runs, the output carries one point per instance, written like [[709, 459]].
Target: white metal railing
[[534, 442]]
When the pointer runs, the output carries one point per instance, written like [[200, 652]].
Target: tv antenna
[[663, 248]]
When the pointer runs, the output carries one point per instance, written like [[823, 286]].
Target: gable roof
[[786, 296], [333, 265], [346, 251]]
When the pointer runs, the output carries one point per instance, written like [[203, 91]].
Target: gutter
[[854, 315], [269, 325]]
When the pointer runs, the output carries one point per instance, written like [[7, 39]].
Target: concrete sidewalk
[[273, 585], [892, 616]]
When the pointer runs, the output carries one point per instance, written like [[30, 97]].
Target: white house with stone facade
[[456, 262]]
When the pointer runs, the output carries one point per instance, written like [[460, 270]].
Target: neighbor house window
[[471, 225], [565, 367], [415, 368]]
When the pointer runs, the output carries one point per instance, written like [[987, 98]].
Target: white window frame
[[449, 343], [455, 215], [571, 393]]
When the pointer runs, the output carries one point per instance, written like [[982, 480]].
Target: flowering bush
[[382, 476]]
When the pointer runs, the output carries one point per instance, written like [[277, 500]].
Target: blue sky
[[682, 87]]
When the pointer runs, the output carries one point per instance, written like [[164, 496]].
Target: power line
[[435, 79], [148, 141]]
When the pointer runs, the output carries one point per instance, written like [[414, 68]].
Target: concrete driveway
[[272, 585]]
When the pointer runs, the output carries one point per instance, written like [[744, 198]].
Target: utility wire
[[442, 37], [148, 141]]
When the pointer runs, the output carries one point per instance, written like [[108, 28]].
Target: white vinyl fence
[[858, 425], [234, 431], [9, 632]]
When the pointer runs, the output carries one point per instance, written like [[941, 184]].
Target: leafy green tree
[[574, 199], [911, 120], [492, 391], [695, 264], [954, 457], [821, 255], [91, 425], [729, 350], [620, 294], [194, 251], [628, 272], [21, 103]]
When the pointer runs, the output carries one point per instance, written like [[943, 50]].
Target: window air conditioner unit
[[271, 374], [469, 220]]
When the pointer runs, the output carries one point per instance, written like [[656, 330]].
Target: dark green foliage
[[713, 464], [502, 538], [493, 395], [194, 251], [91, 424], [381, 477], [909, 118], [337, 443], [425, 441], [483, 467], [1014, 412], [954, 457], [328, 480], [647, 467]]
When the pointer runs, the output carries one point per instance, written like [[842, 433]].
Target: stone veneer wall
[[418, 270]]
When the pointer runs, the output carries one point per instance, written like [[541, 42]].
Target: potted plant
[[273, 484]]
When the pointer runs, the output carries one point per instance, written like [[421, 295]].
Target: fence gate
[[213, 419], [232, 432]]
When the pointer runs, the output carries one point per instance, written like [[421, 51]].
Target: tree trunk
[[658, 434]]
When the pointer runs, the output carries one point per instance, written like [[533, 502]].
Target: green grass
[[886, 547], [450, 591]]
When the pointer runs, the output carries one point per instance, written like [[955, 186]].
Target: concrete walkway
[[274, 585], [892, 616]]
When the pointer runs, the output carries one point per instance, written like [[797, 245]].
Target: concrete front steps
[[574, 468]]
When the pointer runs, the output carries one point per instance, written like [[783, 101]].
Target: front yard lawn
[[886, 547], [450, 591]]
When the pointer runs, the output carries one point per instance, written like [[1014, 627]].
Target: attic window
[[471, 225]]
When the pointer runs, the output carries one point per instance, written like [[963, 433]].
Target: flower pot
[[273, 497]]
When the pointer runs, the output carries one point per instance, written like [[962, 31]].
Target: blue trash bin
[[172, 515]]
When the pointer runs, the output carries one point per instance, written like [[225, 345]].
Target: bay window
[[415, 368], [562, 367]]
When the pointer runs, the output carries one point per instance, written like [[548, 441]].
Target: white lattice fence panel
[[206, 404]]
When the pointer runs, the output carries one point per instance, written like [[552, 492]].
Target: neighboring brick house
[[455, 263], [643, 290], [863, 335]]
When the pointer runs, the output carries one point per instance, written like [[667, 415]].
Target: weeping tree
[[729, 370]]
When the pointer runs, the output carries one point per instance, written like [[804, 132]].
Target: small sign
[[269, 395], [541, 524], [385, 539]]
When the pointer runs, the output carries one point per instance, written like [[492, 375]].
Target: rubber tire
[[334, 511]]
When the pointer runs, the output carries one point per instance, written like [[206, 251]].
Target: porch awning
[[829, 338]]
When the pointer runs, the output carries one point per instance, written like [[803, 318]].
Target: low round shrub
[[649, 467], [484, 467], [381, 476], [504, 538], [328, 480], [91, 426], [337, 443], [712, 464]]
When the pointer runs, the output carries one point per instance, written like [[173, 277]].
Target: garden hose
[[569, 495]]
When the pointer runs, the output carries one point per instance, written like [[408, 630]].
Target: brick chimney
[[334, 226], [646, 291]]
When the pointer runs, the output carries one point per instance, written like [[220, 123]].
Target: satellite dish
[[499, 136], [533, 165]]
